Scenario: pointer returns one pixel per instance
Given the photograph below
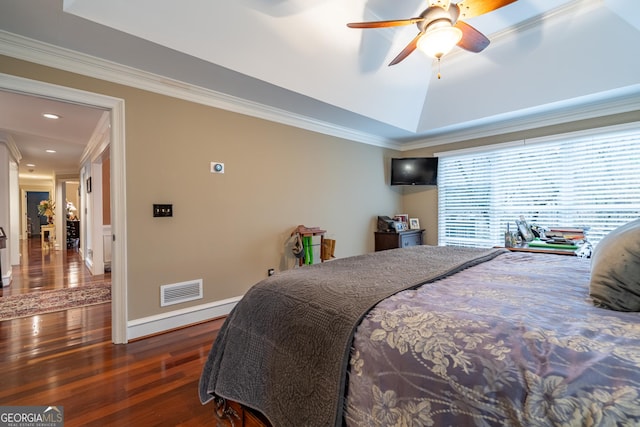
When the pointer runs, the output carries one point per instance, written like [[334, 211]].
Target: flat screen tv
[[414, 171]]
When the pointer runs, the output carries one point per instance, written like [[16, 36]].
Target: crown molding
[[99, 141], [46, 54], [7, 140], [602, 104]]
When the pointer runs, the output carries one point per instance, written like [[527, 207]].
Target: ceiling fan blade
[[407, 50], [381, 24], [472, 39], [471, 8]]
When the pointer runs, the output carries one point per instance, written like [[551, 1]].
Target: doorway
[[33, 218], [118, 180]]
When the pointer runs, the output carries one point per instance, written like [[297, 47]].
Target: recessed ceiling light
[[51, 116], [30, 165], [51, 151]]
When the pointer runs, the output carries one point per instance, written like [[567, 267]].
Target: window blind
[[588, 181]]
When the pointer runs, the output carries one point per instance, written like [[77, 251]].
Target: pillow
[[615, 269]]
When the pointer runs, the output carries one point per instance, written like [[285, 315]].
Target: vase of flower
[[46, 208]]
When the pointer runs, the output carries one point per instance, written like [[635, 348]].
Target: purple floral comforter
[[515, 341]]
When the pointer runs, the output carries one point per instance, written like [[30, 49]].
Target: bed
[[435, 336]]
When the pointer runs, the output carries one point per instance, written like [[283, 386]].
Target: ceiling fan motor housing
[[435, 14], [440, 28]]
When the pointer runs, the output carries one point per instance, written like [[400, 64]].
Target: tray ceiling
[[547, 58]]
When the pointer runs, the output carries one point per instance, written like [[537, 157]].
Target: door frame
[[118, 183], [25, 205]]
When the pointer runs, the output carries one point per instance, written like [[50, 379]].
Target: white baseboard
[[5, 280], [151, 325]]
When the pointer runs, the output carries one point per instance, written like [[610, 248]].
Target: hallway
[[46, 269]]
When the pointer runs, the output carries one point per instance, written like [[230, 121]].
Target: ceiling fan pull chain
[[439, 69]]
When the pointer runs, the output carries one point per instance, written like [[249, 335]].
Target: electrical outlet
[[271, 272]]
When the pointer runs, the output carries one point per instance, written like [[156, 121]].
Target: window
[[591, 179]]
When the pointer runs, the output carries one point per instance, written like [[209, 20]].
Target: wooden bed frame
[[232, 414]]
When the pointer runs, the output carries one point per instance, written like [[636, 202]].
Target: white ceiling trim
[[49, 55], [99, 142], [604, 104], [7, 140], [581, 134]]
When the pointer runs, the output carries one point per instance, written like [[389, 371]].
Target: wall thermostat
[[217, 167]]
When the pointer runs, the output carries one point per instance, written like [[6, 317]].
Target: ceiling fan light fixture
[[439, 41]]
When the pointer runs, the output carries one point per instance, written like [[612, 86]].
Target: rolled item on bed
[[284, 349]]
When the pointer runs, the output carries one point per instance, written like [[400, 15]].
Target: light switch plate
[[162, 210]]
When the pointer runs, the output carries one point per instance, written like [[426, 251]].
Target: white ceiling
[[548, 59], [21, 117]]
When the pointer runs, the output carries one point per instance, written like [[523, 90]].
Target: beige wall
[[228, 229], [423, 202]]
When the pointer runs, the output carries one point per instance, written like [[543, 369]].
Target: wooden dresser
[[389, 240]]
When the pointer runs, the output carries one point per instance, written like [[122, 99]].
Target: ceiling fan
[[440, 28]]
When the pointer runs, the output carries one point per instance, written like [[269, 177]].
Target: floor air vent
[[180, 292]]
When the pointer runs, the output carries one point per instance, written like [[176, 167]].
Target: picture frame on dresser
[[404, 218], [414, 224]]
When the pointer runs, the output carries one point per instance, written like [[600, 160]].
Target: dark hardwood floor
[[67, 359], [44, 269]]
